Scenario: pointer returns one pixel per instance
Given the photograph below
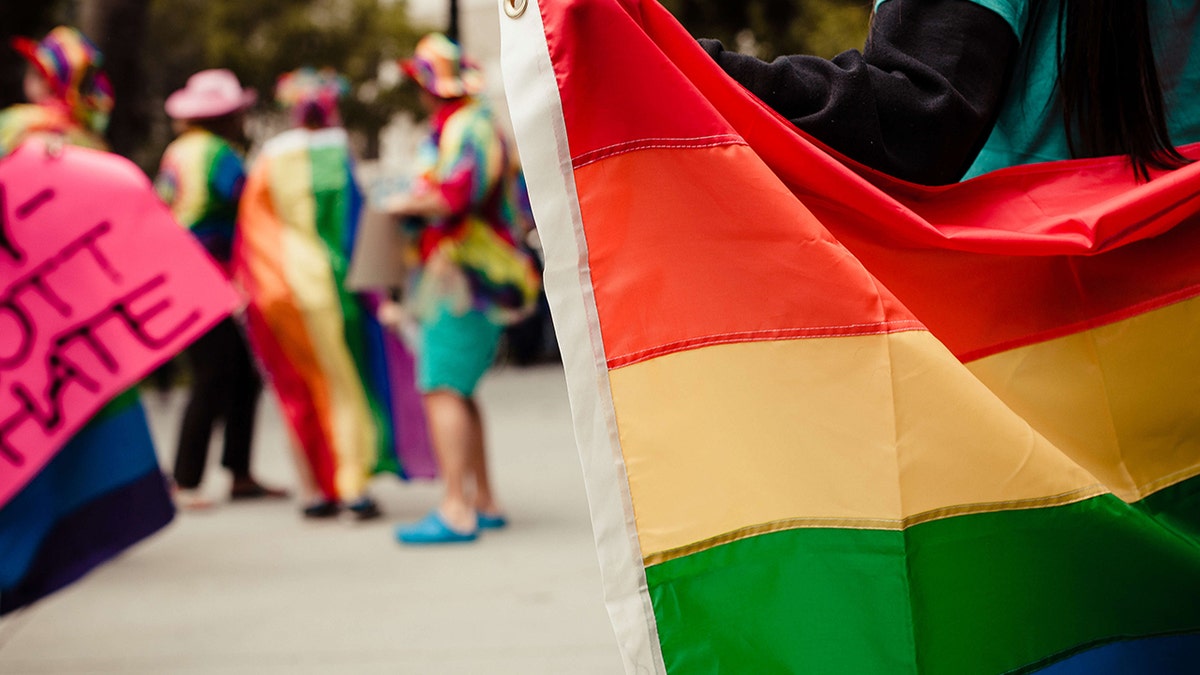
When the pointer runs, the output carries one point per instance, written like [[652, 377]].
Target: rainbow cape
[[344, 385], [835, 423]]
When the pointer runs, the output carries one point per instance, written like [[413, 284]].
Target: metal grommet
[[515, 8]]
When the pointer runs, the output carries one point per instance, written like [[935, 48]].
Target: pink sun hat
[[209, 93]]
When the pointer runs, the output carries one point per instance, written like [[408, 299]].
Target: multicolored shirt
[[20, 121], [201, 178], [468, 161]]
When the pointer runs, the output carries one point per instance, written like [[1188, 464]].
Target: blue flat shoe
[[432, 530], [491, 522]]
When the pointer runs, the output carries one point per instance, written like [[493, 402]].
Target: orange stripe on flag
[[751, 263]]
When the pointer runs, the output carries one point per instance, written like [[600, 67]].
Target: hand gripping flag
[[835, 423], [98, 286]]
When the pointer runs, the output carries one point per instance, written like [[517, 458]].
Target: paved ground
[[254, 589]]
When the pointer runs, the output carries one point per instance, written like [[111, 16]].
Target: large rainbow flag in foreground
[[835, 423]]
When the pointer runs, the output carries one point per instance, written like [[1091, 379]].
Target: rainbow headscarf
[[71, 65], [312, 95]]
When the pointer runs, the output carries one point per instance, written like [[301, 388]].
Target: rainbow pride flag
[[101, 493], [835, 423], [339, 378], [98, 287]]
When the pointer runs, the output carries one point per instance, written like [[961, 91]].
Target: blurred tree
[[118, 27], [769, 28], [263, 39], [29, 19]]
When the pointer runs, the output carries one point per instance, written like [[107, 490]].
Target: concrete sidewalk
[[252, 588]]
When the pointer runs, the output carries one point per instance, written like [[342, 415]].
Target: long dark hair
[[1111, 95]]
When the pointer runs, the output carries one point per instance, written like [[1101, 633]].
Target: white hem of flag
[[537, 115]]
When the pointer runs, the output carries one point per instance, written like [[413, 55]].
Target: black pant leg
[[245, 389], [207, 357]]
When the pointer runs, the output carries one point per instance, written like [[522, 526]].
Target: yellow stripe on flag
[[877, 431], [1120, 399]]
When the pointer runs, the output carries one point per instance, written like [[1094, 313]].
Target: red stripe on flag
[[1014, 257]]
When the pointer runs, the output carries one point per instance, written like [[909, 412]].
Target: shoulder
[[472, 121], [296, 140], [1014, 12]]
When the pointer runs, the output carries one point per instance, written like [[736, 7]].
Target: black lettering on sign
[[24, 335], [7, 451], [136, 321], [47, 410], [34, 203], [7, 245], [16, 345], [88, 241], [53, 299], [87, 334], [62, 372]]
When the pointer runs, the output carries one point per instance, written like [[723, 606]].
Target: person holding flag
[[955, 88]]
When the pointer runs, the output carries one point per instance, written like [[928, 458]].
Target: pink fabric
[[100, 286]]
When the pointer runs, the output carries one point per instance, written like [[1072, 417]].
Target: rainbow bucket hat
[[71, 64], [438, 65]]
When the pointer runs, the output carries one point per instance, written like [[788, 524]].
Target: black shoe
[[323, 509], [365, 509]]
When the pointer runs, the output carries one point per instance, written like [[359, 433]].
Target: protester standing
[[954, 88], [201, 177], [472, 280], [102, 490], [298, 217]]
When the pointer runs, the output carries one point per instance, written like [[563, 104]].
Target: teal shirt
[[1029, 127]]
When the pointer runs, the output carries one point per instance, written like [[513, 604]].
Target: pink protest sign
[[98, 286]]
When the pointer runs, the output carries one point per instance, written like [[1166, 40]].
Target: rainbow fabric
[[326, 356], [468, 161], [201, 177], [86, 506], [835, 423], [18, 122], [72, 68]]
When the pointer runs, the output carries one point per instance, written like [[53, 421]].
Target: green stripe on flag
[[332, 183], [990, 593]]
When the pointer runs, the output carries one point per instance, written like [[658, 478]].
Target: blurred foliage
[[770, 28], [263, 39], [29, 19]]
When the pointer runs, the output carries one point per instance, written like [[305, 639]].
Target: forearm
[[421, 203], [919, 100]]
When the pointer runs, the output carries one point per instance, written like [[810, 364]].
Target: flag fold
[[834, 422]]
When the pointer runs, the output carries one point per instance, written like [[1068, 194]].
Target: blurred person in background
[[298, 217], [103, 489], [69, 96], [201, 177], [472, 281]]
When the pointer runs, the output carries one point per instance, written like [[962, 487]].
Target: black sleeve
[[918, 102]]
